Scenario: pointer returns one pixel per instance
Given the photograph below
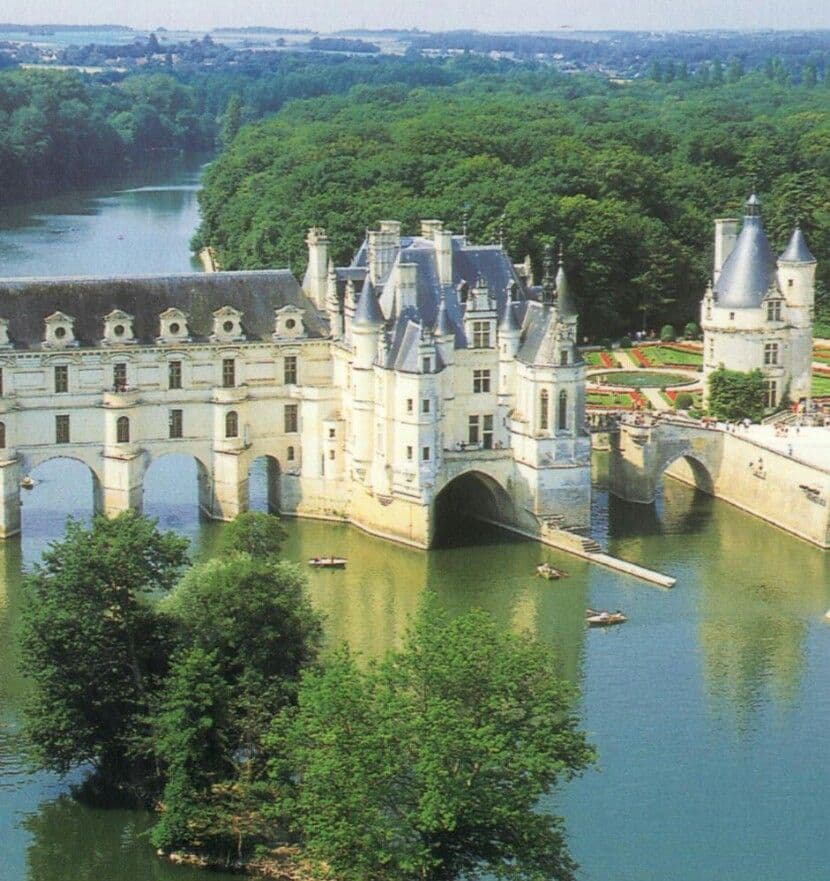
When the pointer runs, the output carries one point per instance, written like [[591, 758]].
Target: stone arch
[[469, 496], [264, 476], [696, 471], [61, 489], [177, 488]]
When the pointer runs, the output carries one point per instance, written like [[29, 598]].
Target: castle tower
[[797, 283], [366, 327]]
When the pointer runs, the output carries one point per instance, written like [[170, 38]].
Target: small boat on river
[[604, 619], [27, 482], [545, 570], [328, 562]]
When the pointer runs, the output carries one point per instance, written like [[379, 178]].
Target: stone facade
[[758, 312], [428, 369]]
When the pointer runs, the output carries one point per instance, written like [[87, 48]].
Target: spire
[[548, 283], [443, 323], [752, 208], [509, 320], [567, 307], [368, 312], [797, 250]]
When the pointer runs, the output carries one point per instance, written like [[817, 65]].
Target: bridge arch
[[689, 468], [176, 488], [63, 486], [264, 475], [468, 497]]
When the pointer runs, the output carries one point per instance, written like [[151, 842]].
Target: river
[[709, 709]]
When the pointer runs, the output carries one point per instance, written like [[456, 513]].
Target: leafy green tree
[[430, 764], [735, 396], [95, 646], [254, 533], [691, 331], [667, 333], [192, 742], [252, 614], [231, 120]]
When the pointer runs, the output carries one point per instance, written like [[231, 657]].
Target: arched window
[[562, 423], [544, 416], [2, 435], [231, 424], [122, 430]]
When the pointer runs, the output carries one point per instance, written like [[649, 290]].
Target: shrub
[[667, 334], [691, 331], [605, 343], [734, 395], [625, 342], [683, 401]]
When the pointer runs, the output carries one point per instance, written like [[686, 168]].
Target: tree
[[94, 645], [691, 331], [254, 617], [734, 395], [231, 120], [254, 533], [431, 763], [667, 334], [192, 742]]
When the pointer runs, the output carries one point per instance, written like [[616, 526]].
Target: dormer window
[[118, 329], [774, 310], [481, 334], [173, 326], [227, 325], [59, 331], [288, 323]]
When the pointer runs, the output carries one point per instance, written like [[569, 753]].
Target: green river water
[[710, 708]]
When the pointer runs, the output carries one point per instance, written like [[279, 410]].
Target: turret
[[797, 272], [333, 309], [367, 325], [316, 274], [564, 298], [509, 329]]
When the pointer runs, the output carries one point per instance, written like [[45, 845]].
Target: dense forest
[[63, 129], [628, 178], [58, 131]]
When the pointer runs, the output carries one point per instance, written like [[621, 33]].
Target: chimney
[[443, 254], [429, 228], [407, 285], [383, 246], [726, 234], [315, 282]]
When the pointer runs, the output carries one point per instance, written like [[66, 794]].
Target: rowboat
[[545, 570], [328, 562], [604, 619]]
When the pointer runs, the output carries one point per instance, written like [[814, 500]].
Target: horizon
[[662, 16]]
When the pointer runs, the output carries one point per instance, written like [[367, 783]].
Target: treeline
[[627, 178], [59, 131], [62, 129], [204, 693]]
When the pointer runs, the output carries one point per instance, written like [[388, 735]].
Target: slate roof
[[367, 313], [25, 302], [535, 328], [797, 250], [749, 271]]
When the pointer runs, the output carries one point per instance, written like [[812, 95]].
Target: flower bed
[[607, 360], [641, 358]]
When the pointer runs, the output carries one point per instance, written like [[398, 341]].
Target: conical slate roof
[[797, 250], [509, 319], [367, 313], [749, 271]]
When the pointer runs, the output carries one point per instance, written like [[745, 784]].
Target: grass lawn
[[821, 385], [663, 355], [610, 399]]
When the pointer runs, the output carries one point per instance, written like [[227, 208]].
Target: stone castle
[[429, 378], [758, 313]]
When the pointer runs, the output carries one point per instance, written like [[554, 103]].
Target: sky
[[485, 15]]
